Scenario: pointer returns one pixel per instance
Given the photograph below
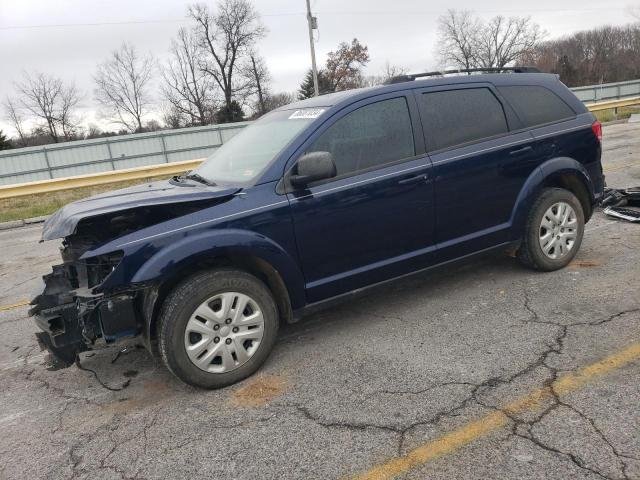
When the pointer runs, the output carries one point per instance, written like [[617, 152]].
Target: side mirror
[[313, 166]]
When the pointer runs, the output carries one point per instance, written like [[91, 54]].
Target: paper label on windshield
[[307, 113]]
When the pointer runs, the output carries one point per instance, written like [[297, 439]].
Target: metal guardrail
[[94, 156], [54, 185], [607, 91], [59, 184], [615, 104]]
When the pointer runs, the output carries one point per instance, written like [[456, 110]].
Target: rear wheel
[[217, 328], [554, 231]]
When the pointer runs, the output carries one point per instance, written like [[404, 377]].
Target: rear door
[[375, 219], [481, 159]]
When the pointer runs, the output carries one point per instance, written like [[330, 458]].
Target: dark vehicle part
[[615, 200], [151, 203], [619, 197], [70, 313], [613, 197], [628, 214], [312, 167], [553, 232], [468, 71], [205, 332]]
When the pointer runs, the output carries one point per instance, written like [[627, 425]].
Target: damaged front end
[[70, 312], [89, 298]]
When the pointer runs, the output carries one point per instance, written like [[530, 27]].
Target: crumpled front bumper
[[73, 319]]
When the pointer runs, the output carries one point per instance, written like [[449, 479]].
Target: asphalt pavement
[[483, 370]]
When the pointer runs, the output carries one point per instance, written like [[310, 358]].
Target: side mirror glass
[[313, 166]]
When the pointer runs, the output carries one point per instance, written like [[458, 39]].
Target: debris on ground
[[95, 374], [623, 204]]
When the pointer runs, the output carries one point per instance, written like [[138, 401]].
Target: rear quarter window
[[536, 105]]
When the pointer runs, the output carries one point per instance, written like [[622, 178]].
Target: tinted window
[[454, 117], [369, 136], [536, 105]]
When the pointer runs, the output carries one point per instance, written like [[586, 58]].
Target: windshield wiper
[[199, 178]]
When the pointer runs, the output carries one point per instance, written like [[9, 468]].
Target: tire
[[183, 332], [531, 252]]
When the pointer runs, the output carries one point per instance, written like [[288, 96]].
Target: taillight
[[596, 127]]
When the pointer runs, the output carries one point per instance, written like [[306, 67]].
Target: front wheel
[[217, 328], [554, 230]]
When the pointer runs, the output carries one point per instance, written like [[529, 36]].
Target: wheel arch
[[576, 184], [244, 251], [561, 172]]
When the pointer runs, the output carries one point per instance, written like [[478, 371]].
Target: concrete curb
[[22, 223]]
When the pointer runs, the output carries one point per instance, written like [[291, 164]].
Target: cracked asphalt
[[376, 380]]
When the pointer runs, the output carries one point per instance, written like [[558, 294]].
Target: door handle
[[520, 151], [423, 177]]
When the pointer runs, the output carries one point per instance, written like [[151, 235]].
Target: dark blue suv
[[314, 201]]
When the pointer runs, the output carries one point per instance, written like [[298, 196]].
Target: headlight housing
[[100, 267]]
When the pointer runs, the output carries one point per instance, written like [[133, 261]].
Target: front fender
[[212, 243], [537, 180]]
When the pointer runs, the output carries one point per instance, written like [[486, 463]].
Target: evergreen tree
[[5, 144], [306, 89], [231, 113]]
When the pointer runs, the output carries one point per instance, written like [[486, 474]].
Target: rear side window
[[456, 117], [368, 137], [536, 105]]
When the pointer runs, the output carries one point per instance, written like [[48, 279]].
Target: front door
[[374, 220]]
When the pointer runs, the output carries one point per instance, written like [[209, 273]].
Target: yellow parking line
[[472, 431], [21, 303]]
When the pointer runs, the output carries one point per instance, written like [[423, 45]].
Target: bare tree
[[344, 66], [69, 99], [123, 84], [50, 101], [227, 36], [458, 38], [388, 72], [505, 41], [468, 42], [189, 90], [604, 54], [277, 100], [14, 116], [256, 81]]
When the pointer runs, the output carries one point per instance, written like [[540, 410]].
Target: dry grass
[[623, 112], [30, 206]]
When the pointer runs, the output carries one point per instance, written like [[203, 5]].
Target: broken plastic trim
[[623, 213], [616, 203]]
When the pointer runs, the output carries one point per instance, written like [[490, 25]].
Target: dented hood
[[64, 221]]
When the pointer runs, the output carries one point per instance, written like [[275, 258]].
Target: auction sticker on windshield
[[307, 113]]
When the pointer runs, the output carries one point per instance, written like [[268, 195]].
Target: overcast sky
[[45, 35]]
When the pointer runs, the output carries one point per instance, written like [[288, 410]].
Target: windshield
[[242, 158]]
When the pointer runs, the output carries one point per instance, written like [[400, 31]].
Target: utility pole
[[313, 25]]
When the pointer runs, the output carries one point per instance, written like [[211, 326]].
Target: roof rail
[[468, 71]]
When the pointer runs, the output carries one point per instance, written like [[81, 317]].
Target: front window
[[370, 137], [248, 153]]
